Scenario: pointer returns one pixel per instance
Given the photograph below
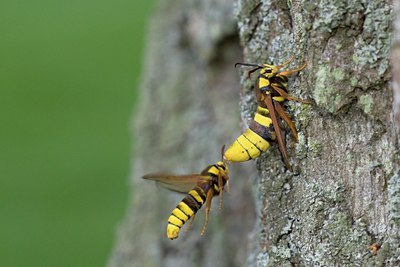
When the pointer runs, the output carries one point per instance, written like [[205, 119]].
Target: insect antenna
[[253, 70], [257, 67], [247, 64]]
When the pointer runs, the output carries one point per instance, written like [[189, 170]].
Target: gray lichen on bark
[[337, 202]]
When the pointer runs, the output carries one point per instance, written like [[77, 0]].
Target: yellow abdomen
[[182, 213], [247, 146]]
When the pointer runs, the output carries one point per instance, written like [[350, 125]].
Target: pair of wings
[[178, 183], [269, 102]]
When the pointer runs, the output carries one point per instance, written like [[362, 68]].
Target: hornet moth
[[271, 93], [200, 188]]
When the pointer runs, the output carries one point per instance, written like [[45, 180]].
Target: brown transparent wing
[[177, 183], [279, 136]]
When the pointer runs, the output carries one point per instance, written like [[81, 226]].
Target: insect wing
[[281, 143], [178, 183]]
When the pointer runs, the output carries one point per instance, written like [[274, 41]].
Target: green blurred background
[[69, 72]]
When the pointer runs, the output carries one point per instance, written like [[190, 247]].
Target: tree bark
[[344, 192]]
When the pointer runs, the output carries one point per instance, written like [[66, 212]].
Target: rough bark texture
[[344, 192], [343, 195], [396, 63]]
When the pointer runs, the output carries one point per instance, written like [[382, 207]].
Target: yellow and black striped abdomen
[[185, 210], [254, 140]]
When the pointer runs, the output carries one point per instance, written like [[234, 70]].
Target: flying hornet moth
[[200, 188]]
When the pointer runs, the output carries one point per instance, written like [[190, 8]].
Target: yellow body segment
[[213, 170], [263, 120], [196, 195], [186, 209], [172, 231], [176, 221], [178, 213], [278, 98], [257, 140], [263, 82], [236, 153], [262, 111], [250, 148], [247, 146]]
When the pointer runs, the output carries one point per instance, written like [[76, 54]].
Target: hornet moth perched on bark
[[271, 93], [200, 188]]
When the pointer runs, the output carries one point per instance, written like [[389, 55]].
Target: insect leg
[[221, 189], [209, 197], [290, 72], [289, 97], [227, 186]]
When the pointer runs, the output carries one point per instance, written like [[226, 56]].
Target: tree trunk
[[342, 199], [343, 195]]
